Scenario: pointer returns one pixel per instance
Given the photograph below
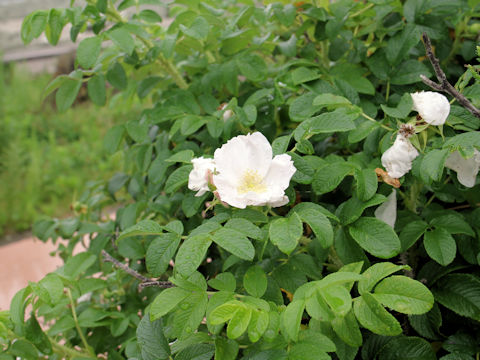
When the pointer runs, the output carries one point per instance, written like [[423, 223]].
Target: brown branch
[[145, 281], [443, 84]]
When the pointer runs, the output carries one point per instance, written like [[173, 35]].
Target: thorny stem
[[145, 281], [443, 84], [77, 326]]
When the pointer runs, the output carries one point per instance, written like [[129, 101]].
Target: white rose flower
[[198, 177], [467, 169], [433, 107], [387, 212], [245, 173], [397, 160]]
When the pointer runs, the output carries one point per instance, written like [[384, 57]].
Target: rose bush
[[254, 218]]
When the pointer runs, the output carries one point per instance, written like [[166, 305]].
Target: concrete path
[[22, 261]]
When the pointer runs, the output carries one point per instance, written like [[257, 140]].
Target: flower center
[[251, 182]]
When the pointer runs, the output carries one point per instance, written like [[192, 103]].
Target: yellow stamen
[[251, 182]]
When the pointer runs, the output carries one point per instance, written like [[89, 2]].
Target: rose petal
[[433, 107], [467, 169], [387, 212]]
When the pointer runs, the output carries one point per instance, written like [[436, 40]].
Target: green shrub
[[327, 263]]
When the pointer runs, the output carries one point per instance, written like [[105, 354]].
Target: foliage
[[321, 277], [45, 160]]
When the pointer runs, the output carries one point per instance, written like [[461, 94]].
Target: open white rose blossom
[[199, 177], [431, 106], [397, 160], [246, 174], [467, 169]]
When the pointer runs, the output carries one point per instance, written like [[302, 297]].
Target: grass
[[46, 158]]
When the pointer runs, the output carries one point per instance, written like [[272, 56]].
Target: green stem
[[361, 11], [372, 119], [388, 91], [67, 351], [77, 325]]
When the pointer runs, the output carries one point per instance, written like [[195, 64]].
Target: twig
[[443, 84], [145, 281]]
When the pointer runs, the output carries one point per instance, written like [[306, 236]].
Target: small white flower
[[198, 177], [433, 107], [245, 173], [387, 212], [397, 160], [467, 169]]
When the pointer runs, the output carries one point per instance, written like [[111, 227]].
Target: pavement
[[21, 261]]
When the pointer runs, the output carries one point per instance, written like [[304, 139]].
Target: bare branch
[[443, 84], [145, 281]]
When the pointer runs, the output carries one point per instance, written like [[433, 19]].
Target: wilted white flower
[[198, 178], [433, 107], [467, 169], [387, 212], [245, 173], [397, 160]]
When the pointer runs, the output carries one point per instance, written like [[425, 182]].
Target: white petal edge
[[387, 212]]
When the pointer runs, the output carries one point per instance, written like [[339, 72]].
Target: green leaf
[[459, 293], [67, 93], [166, 301], [88, 51], [313, 215], [371, 315], [317, 308], [427, 325], [453, 224], [178, 178], [117, 77], [411, 233], [77, 265], [224, 312], [362, 131], [142, 228], [330, 100], [35, 334], [159, 253], [239, 322], [280, 144], [235, 243], [184, 156], [198, 30], [55, 23], [113, 138], [399, 45], [433, 163], [33, 25], [252, 66], [403, 108], [376, 237], [367, 183], [408, 72], [225, 349], [285, 233], [407, 348], [302, 107], [258, 325], [255, 281], [328, 177], [96, 90], [338, 298], [191, 253], [147, 85], [352, 209], [291, 318], [377, 272], [190, 314], [405, 295], [347, 329], [223, 282], [24, 350], [245, 227], [471, 138], [150, 16], [440, 246], [122, 38], [302, 74], [151, 340], [53, 285], [339, 120], [190, 124]]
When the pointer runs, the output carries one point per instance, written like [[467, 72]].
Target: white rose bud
[[431, 106], [397, 160], [467, 169]]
